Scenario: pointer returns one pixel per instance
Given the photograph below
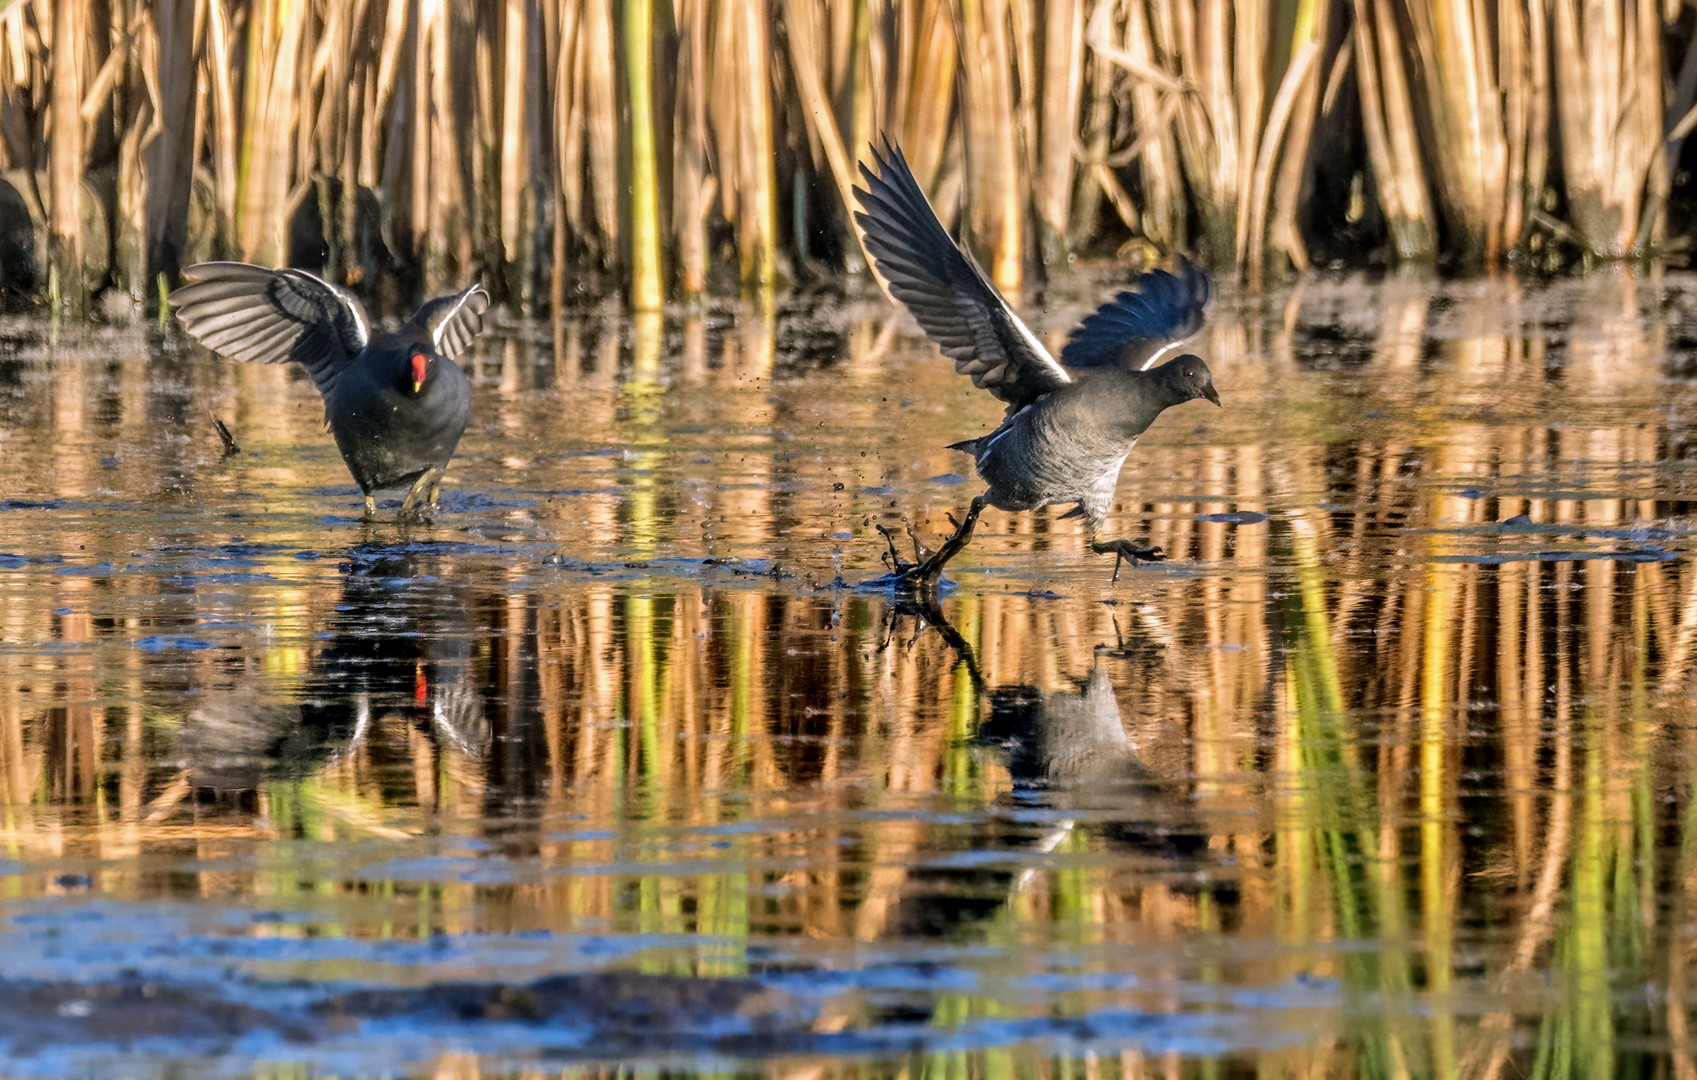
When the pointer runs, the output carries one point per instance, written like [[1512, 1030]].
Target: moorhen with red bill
[[396, 402]]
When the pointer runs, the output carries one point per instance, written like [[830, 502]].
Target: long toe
[[416, 503], [1126, 551]]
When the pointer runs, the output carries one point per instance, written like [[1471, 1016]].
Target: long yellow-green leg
[[415, 503], [370, 508]]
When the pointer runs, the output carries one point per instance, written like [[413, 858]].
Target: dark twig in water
[[231, 447]]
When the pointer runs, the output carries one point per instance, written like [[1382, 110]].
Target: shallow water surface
[[1387, 772]]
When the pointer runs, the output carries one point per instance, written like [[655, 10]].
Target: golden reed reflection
[[1413, 719]]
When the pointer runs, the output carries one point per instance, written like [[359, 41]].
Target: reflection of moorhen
[[1069, 750], [1069, 425], [396, 402], [1069, 756], [1065, 741], [401, 643]]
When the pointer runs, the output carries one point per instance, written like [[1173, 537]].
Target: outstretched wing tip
[[942, 286], [452, 322], [1160, 311]]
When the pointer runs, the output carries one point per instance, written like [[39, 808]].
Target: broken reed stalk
[[1524, 74], [568, 128], [692, 190], [268, 116], [1463, 107], [139, 109], [757, 214], [1387, 113], [515, 148], [864, 73], [1062, 92], [1611, 121], [1282, 231], [802, 18], [929, 122], [1297, 84], [998, 213], [1156, 99]]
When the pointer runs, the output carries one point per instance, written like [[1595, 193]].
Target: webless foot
[[1126, 551]]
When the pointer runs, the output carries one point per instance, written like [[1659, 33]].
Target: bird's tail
[[969, 446]]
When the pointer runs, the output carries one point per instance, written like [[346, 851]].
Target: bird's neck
[[1167, 390], [1145, 398]]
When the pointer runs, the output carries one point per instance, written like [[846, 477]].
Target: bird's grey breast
[[1056, 450]]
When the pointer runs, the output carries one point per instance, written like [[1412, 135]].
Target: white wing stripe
[[1037, 349], [347, 303], [448, 317], [1162, 351]]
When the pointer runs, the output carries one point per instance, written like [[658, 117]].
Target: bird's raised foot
[[1126, 551], [892, 558]]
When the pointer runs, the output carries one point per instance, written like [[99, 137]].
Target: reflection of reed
[[1391, 745]]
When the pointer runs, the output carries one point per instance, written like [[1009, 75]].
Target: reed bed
[[562, 148]]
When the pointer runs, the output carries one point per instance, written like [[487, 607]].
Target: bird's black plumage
[[396, 402], [1069, 424]]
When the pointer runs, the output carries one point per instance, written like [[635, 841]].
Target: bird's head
[[1190, 377]]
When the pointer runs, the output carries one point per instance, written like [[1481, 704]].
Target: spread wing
[[951, 299], [1133, 329], [247, 312], [452, 321]]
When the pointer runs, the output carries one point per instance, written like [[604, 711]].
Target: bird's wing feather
[[941, 284], [452, 321], [263, 316], [1135, 328]]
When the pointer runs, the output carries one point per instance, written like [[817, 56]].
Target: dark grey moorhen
[[1069, 425], [396, 402]]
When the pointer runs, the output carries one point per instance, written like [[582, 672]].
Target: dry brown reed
[[558, 146]]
